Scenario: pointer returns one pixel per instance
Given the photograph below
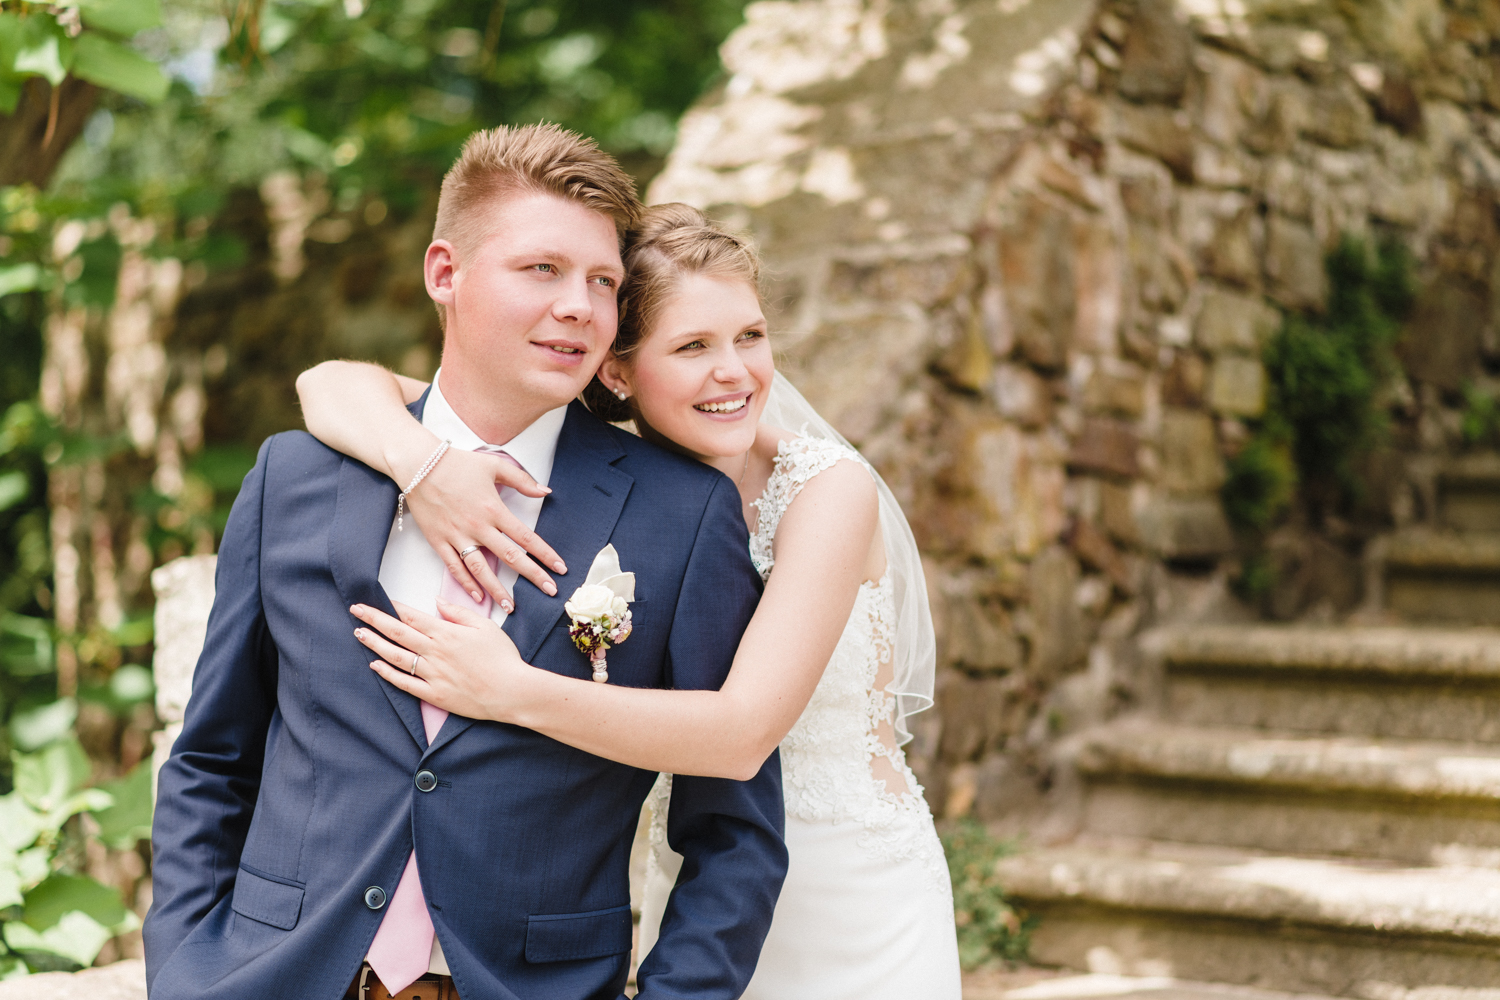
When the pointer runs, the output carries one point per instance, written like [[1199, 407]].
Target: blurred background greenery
[[197, 200]]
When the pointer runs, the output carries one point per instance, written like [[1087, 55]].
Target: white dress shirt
[[410, 570]]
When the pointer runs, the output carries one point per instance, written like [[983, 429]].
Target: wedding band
[[464, 554], [414, 660]]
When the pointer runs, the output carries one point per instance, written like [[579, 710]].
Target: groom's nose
[[573, 304]]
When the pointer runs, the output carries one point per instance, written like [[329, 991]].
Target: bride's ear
[[613, 374]]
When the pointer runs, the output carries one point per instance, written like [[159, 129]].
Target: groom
[[320, 833]]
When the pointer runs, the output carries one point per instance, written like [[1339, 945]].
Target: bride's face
[[701, 375]]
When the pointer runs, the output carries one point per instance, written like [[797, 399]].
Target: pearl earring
[[622, 394]]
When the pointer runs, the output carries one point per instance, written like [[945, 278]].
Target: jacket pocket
[[266, 898], [571, 937]]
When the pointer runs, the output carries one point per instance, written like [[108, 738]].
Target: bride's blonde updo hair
[[669, 243]]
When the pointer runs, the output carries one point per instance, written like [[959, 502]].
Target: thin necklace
[[746, 469]]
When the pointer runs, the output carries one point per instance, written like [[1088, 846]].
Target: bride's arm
[[360, 410], [823, 542]]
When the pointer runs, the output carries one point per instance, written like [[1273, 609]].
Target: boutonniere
[[599, 610]]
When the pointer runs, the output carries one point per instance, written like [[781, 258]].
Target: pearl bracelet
[[442, 449]]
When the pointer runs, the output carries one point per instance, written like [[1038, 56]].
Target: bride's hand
[[457, 506], [467, 666]]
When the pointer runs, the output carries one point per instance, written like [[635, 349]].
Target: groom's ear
[[438, 270]]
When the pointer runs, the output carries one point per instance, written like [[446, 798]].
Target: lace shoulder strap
[[797, 461]]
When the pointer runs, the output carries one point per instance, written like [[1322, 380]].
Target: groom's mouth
[[568, 352]]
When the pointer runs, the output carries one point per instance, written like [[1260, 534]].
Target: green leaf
[[25, 645], [136, 631], [49, 903], [34, 865], [115, 67], [129, 819], [36, 728], [12, 36], [131, 684], [19, 823], [123, 17], [49, 778], [14, 487], [10, 887], [11, 967], [76, 937], [44, 59], [10, 96], [19, 277]]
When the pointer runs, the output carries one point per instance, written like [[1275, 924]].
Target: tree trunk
[[45, 123]]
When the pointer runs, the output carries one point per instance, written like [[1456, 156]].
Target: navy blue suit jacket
[[291, 791]]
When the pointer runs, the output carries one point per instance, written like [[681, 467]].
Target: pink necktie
[[402, 949]]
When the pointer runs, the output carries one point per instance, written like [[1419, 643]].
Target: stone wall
[[1025, 253]]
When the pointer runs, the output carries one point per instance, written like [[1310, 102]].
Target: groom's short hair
[[545, 159]]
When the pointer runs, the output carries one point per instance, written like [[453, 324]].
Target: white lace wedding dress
[[866, 912]]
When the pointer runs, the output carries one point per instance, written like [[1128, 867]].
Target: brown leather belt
[[367, 986]]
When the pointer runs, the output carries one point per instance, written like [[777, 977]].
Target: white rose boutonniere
[[600, 610]]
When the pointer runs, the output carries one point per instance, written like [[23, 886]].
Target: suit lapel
[[577, 519], [362, 517]]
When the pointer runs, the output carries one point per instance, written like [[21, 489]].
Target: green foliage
[[1324, 374], [52, 916], [1325, 370], [51, 41], [1261, 481], [378, 97], [989, 929], [1481, 416], [26, 631]]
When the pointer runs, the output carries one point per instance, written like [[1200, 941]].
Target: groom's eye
[[547, 268]]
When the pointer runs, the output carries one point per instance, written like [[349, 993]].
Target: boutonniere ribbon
[[600, 610]]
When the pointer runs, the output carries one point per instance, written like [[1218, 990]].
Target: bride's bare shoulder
[[768, 439]]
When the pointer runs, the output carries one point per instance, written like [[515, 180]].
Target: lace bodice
[[841, 762]]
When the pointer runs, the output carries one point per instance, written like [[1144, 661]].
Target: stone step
[[1275, 922], [1443, 576], [1409, 683], [1113, 986], [1469, 493], [1400, 651], [1414, 802]]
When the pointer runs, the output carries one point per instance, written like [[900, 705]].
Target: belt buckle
[[364, 985]]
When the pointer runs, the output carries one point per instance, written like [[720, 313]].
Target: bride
[[838, 654]]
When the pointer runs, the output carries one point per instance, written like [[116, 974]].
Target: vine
[[1324, 373]]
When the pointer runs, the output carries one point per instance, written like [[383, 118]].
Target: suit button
[[374, 897], [426, 781]]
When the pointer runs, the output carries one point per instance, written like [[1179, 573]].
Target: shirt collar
[[535, 447]]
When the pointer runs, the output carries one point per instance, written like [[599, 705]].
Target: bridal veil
[[914, 659]]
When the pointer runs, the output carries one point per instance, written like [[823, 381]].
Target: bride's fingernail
[[560, 566], [475, 594], [359, 633], [549, 588], [507, 607]]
